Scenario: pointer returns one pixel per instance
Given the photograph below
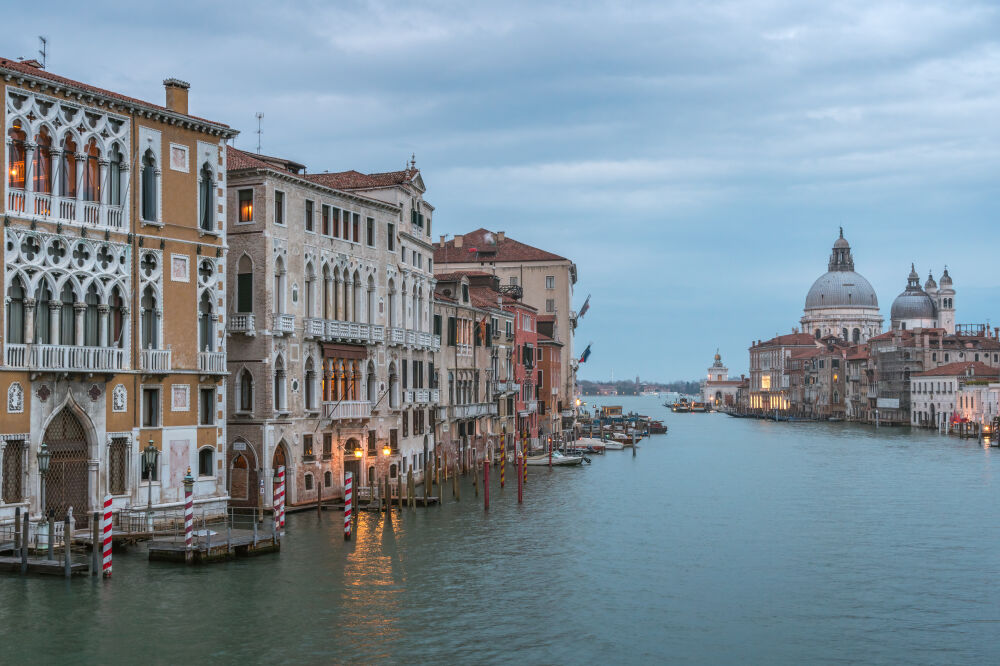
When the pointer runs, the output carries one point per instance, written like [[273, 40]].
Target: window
[[115, 177], [246, 391], [327, 446], [13, 471], [371, 442], [406, 421], [437, 324], [327, 479], [345, 225], [513, 280], [246, 206], [279, 385], [307, 445], [18, 157], [391, 241], [206, 405], [370, 231], [206, 462], [309, 216], [244, 285], [356, 226], [15, 311], [148, 178], [335, 219], [150, 408], [402, 253], [326, 220], [206, 199], [310, 385], [550, 305], [206, 324], [550, 281], [309, 481]]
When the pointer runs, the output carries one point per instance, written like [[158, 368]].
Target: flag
[[586, 306], [586, 354]]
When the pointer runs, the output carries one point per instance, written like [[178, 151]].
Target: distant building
[[718, 389], [929, 307], [950, 393]]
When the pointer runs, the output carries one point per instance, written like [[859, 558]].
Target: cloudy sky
[[694, 158]]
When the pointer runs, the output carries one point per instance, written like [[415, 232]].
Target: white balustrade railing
[[422, 396], [67, 209], [347, 409], [473, 410], [378, 333], [396, 336], [435, 395], [15, 201], [505, 387], [71, 358], [423, 339], [436, 343], [91, 212], [284, 323], [154, 360], [242, 322], [411, 338], [408, 397], [532, 405], [15, 355], [313, 328], [465, 350], [212, 362], [45, 206]]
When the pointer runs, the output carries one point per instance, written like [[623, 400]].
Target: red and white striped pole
[[188, 511], [281, 497], [348, 497], [106, 537]]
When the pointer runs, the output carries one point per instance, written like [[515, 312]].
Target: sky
[[695, 159]]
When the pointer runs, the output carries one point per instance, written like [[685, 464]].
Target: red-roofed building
[[543, 279], [951, 394], [769, 383]]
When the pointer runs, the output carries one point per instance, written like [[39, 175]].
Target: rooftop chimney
[[501, 235], [458, 240], [31, 62], [177, 95], [443, 236]]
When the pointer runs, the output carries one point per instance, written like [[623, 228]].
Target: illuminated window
[[246, 206], [765, 382]]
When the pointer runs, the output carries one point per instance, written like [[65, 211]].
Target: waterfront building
[[978, 401], [858, 400], [475, 372], [769, 383], [114, 258], [545, 279], [718, 389], [331, 366], [554, 417], [950, 393], [842, 302], [929, 307]]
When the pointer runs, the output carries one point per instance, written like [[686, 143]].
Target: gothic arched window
[[15, 312], [149, 206], [206, 199]]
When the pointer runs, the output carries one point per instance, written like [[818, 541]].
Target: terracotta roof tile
[[960, 368], [790, 339], [29, 70], [489, 249], [355, 180]]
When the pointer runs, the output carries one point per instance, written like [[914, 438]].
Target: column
[[29, 320], [102, 324], [80, 165], [3, 445], [338, 300], [349, 300], [103, 200], [57, 177], [55, 309], [29, 174], [78, 310]]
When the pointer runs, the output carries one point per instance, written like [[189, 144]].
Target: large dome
[[839, 289], [913, 305]]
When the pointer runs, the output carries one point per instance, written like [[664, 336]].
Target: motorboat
[[606, 444], [557, 459]]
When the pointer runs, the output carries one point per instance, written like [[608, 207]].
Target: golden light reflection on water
[[374, 578]]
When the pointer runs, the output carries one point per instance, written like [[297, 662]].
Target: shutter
[[244, 292], [451, 332], [405, 367]]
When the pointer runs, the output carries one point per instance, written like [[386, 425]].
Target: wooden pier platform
[[45, 566], [215, 547]]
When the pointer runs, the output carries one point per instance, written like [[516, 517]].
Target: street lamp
[[44, 457], [386, 450], [149, 457]]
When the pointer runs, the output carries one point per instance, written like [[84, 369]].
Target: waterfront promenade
[[726, 540]]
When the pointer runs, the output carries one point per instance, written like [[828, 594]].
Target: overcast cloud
[[694, 159]]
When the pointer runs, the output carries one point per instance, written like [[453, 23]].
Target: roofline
[[295, 178], [148, 109]]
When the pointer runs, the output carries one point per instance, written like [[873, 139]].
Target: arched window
[[393, 388], [92, 173], [149, 206], [246, 391], [310, 281], [856, 335], [115, 177], [116, 320], [309, 481], [67, 318], [843, 333], [392, 304], [244, 285], [279, 385], [18, 157], [206, 199], [42, 298], [90, 318], [15, 312], [310, 385], [817, 334], [67, 168], [206, 323], [326, 292], [279, 285], [206, 462], [370, 306], [327, 479], [149, 319], [41, 169], [371, 383]]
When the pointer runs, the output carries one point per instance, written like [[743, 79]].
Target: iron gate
[[68, 481]]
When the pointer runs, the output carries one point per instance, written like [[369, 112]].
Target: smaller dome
[[913, 273], [841, 242], [930, 284], [945, 278], [913, 305], [717, 356]]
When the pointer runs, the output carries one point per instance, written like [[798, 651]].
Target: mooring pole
[[67, 531], [486, 485]]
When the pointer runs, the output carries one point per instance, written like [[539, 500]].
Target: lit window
[[246, 206]]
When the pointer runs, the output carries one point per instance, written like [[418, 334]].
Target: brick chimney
[[458, 241], [443, 236], [501, 235], [177, 95]]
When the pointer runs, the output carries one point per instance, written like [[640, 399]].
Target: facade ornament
[[15, 398], [94, 392], [43, 392], [119, 398]]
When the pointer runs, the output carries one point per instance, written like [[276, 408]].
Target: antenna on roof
[[43, 50], [260, 129]]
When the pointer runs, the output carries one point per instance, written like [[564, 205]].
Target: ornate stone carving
[[95, 392], [43, 392], [15, 398], [119, 398]]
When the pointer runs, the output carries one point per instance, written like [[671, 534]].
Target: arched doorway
[[239, 478], [68, 481], [352, 462], [279, 459]]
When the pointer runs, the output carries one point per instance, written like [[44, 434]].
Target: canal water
[[727, 540]]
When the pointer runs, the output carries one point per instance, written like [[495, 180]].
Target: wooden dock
[[41, 565], [215, 547]]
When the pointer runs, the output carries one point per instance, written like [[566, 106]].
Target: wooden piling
[[427, 483], [319, 497], [486, 485], [67, 532], [17, 530], [52, 534], [475, 478], [24, 543], [410, 490], [95, 540], [454, 483]]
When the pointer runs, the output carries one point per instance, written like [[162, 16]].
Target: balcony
[[313, 328], [474, 410], [347, 409], [154, 360], [65, 358], [508, 387], [422, 396], [396, 336], [423, 340], [435, 396], [284, 324], [408, 397], [411, 338], [465, 350], [212, 363], [436, 343], [532, 406], [49, 208], [242, 323], [378, 333]]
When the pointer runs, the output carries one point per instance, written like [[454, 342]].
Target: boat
[[682, 406], [557, 459], [699, 407], [657, 428], [607, 444]]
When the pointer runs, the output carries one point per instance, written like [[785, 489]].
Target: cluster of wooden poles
[[390, 494]]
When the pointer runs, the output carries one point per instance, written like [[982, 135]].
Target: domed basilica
[[842, 302], [930, 307]]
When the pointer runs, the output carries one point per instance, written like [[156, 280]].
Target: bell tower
[[946, 303]]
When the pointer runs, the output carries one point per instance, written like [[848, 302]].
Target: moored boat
[[558, 459]]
